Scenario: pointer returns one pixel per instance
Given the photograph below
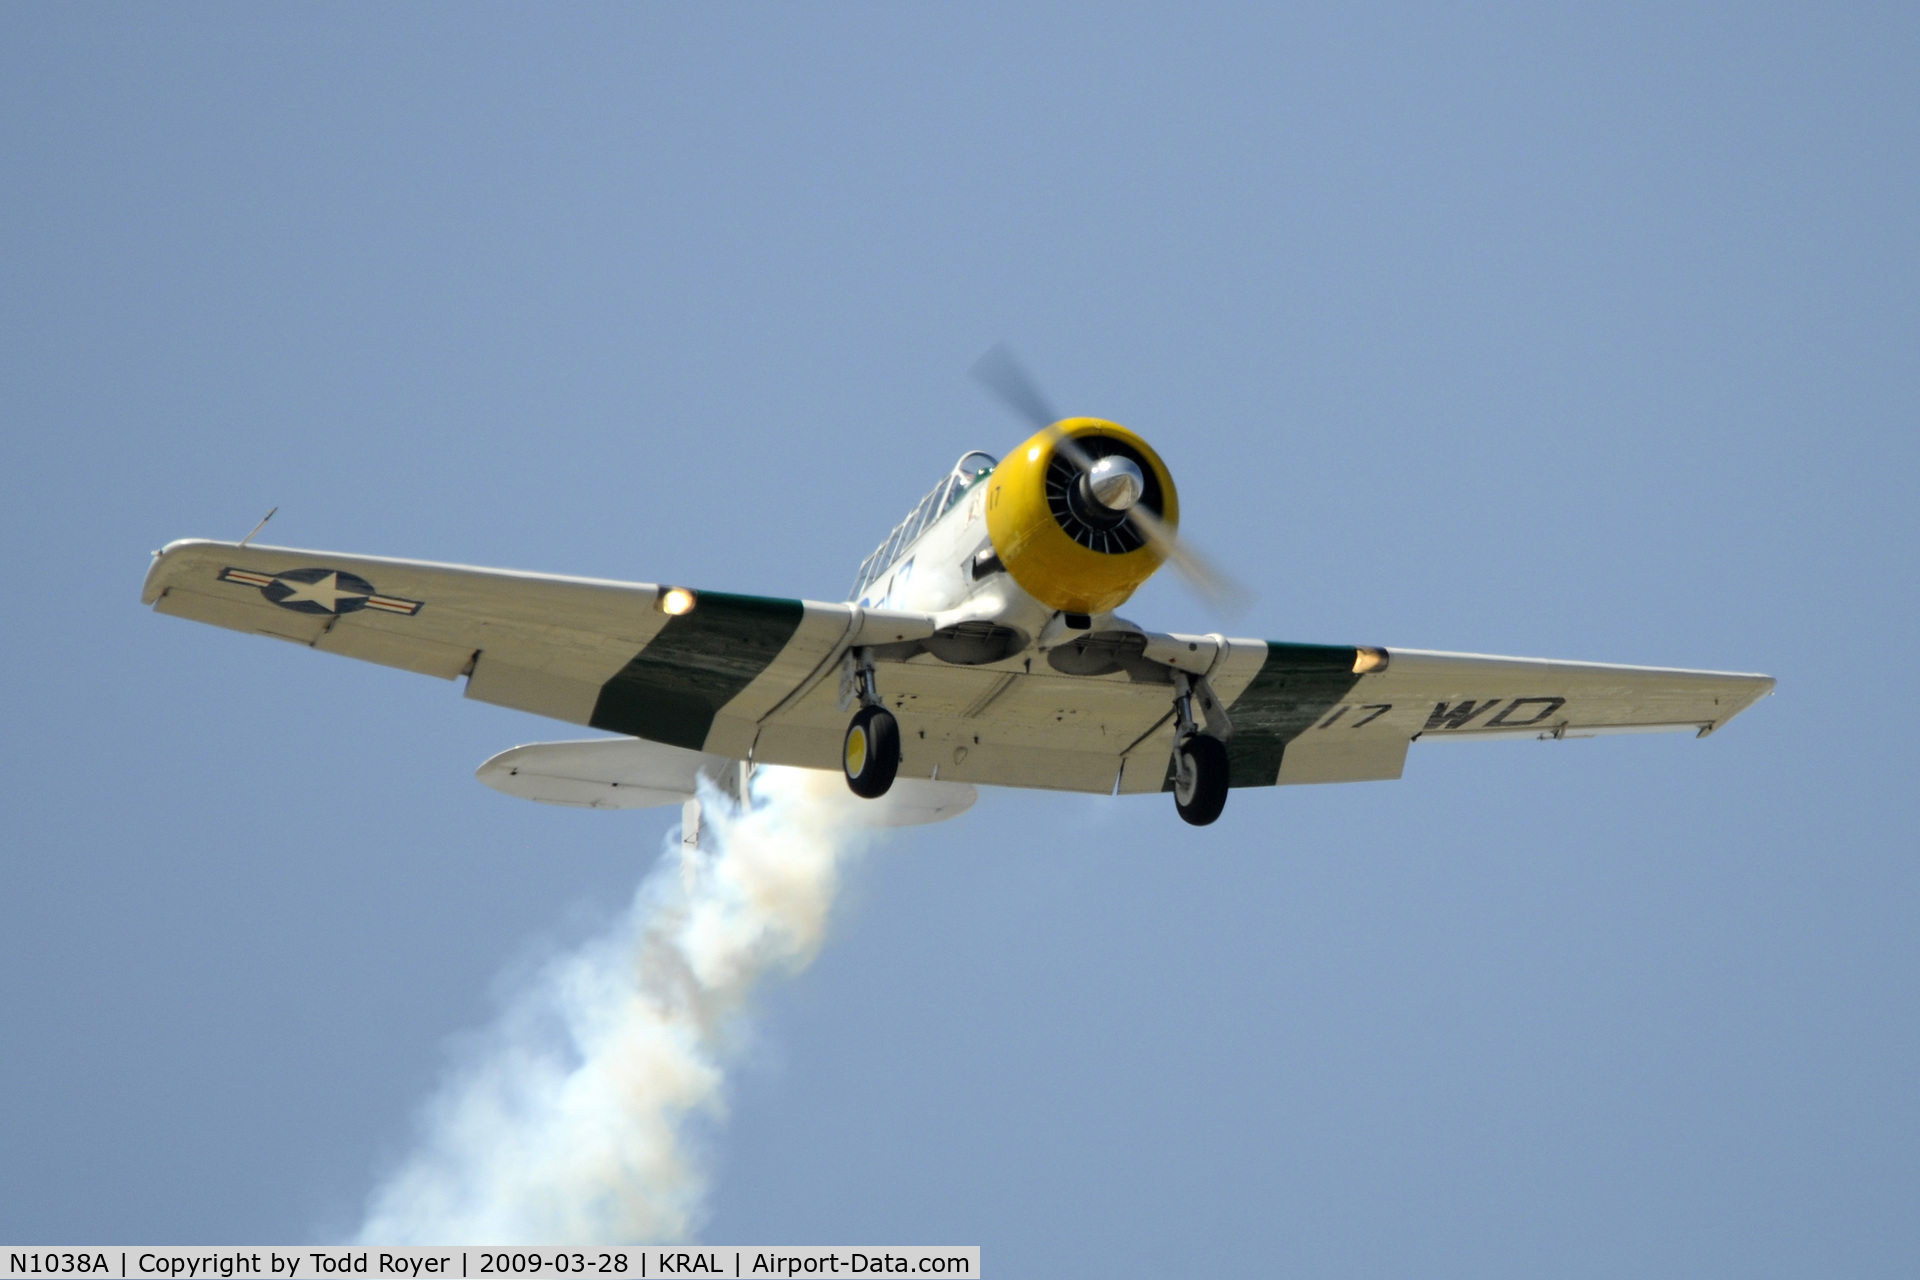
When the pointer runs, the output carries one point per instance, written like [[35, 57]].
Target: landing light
[[1367, 658], [675, 601]]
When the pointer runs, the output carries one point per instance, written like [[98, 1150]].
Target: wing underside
[[754, 677]]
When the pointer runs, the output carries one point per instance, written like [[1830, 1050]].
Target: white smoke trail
[[571, 1126]]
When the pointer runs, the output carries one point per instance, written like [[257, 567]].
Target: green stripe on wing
[[1296, 686], [699, 662]]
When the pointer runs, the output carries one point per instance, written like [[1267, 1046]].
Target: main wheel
[[1200, 779], [871, 753]]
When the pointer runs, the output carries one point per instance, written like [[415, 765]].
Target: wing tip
[[155, 585]]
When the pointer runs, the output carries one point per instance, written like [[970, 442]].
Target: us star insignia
[[328, 591]]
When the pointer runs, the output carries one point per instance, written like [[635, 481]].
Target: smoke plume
[[572, 1123]]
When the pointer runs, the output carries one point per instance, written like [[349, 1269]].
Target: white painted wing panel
[[1328, 758], [420, 616], [997, 723], [1431, 696], [541, 643]]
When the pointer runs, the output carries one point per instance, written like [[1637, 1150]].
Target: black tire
[[870, 754], [1200, 779]]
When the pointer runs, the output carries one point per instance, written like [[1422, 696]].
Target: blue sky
[[1586, 334]]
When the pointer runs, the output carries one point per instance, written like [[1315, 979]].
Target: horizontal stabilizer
[[601, 773], [632, 773]]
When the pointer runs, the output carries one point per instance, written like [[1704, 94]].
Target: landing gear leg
[[870, 755], [1200, 770]]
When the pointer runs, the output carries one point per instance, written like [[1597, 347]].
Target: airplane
[[980, 645]]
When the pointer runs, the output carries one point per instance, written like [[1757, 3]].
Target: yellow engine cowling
[[1060, 560]]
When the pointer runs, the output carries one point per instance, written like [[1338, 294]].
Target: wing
[[752, 677], [1355, 725], [1097, 714], [581, 650]]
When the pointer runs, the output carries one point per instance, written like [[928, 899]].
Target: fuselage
[[1002, 543], [926, 563]]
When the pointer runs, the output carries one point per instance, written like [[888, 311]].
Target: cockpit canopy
[[969, 471]]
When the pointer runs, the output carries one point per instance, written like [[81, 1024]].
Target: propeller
[[1002, 373]]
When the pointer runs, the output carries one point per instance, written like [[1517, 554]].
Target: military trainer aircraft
[[980, 645]]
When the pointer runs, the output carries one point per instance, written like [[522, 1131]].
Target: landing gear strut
[[1201, 773], [870, 755]]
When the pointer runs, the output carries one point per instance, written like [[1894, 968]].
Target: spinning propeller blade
[[1002, 373], [1207, 580]]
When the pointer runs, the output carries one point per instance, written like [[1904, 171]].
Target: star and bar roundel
[[325, 591]]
